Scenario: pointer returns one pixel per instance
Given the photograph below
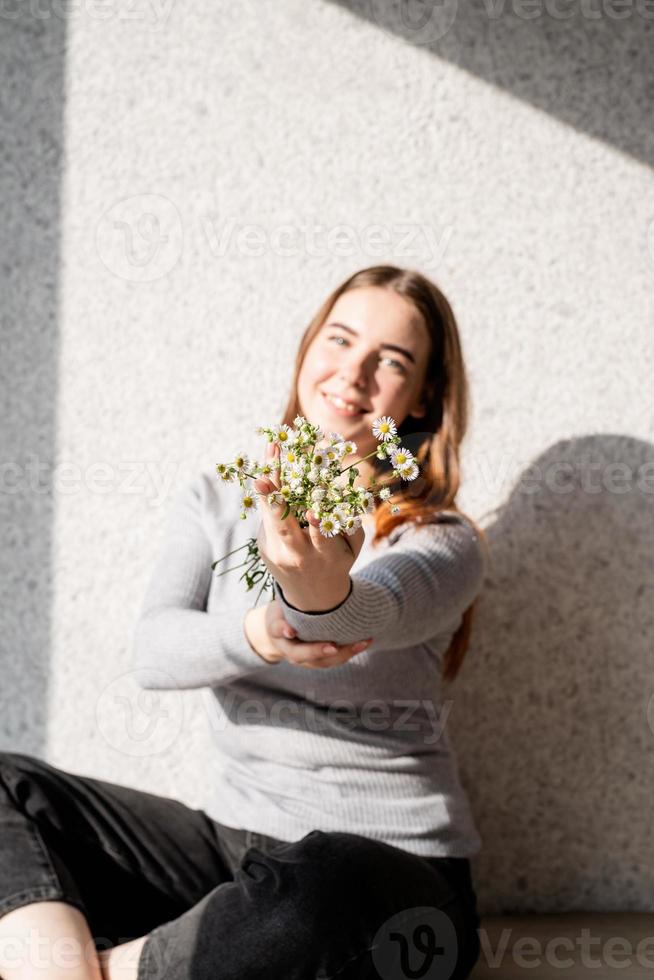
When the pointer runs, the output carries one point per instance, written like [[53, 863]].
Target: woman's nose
[[355, 372], [356, 381]]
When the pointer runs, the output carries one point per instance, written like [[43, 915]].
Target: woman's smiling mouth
[[341, 407]]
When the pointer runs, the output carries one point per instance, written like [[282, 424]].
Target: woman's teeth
[[342, 406]]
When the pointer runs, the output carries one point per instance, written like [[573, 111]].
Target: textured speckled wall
[[183, 187]]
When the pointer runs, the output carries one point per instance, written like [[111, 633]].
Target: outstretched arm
[[177, 643], [416, 589]]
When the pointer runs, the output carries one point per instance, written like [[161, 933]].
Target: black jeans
[[221, 903]]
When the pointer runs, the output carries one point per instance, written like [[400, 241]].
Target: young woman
[[337, 837]]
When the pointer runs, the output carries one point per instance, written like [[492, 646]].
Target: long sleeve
[[415, 590], [178, 643]]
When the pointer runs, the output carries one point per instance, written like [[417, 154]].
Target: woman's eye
[[399, 366]]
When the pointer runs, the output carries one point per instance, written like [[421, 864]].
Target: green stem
[[263, 586], [253, 563], [357, 461], [240, 548], [246, 562]]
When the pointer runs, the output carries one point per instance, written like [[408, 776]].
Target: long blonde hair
[[433, 439]]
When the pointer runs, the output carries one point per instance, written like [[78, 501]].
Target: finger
[[273, 456], [286, 649], [266, 484], [285, 527], [341, 654], [263, 485], [272, 511], [335, 661], [355, 541], [323, 662], [312, 655], [278, 625], [325, 545], [288, 526], [280, 628]]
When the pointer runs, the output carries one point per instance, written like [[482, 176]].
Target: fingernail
[[330, 648], [288, 632], [362, 644]]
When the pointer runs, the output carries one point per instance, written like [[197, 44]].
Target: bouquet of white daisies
[[311, 478]]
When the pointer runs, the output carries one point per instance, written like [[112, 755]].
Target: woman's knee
[[363, 894], [361, 865], [334, 858], [357, 876], [18, 760], [310, 874], [19, 777], [12, 763], [338, 874]]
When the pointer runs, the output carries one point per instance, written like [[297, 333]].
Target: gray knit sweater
[[362, 747]]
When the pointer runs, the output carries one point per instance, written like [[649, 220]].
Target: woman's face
[[371, 351]]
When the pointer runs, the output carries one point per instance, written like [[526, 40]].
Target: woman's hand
[[272, 638], [312, 570]]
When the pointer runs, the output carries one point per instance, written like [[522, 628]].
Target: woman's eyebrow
[[400, 350]]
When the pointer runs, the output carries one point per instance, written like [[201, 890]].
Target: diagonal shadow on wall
[[32, 54], [593, 70], [557, 755]]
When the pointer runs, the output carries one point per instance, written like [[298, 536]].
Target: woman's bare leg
[[122, 962], [52, 941]]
